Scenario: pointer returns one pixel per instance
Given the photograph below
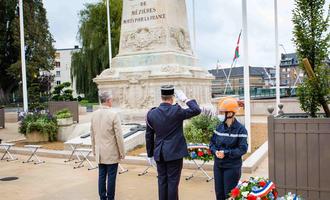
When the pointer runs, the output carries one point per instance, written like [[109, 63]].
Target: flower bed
[[43, 124]]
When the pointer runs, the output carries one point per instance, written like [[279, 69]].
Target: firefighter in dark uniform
[[228, 145], [165, 141]]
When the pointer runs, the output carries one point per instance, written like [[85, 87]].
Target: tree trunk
[[4, 98]]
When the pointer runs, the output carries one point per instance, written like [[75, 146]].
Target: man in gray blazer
[[107, 144]]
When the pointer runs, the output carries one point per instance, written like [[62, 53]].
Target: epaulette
[[152, 109]]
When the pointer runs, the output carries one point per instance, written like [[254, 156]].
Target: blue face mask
[[222, 118]]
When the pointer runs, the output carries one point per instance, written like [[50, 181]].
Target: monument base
[[139, 87]]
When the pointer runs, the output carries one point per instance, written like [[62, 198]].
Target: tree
[[9, 53], [312, 38], [38, 45], [93, 58], [62, 92]]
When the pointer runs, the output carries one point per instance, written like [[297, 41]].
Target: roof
[[239, 72]]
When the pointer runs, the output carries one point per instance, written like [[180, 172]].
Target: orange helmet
[[228, 104]]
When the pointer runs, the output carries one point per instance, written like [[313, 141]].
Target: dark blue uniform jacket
[[233, 141], [164, 134]]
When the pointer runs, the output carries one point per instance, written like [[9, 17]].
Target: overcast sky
[[218, 23]]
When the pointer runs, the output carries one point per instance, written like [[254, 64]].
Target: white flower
[[245, 184], [245, 194]]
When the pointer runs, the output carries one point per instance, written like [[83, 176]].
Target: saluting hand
[[220, 154], [180, 95]]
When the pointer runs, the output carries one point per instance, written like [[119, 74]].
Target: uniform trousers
[[225, 179], [169, 173]]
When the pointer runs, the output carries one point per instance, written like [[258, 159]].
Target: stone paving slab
[[57, 180]]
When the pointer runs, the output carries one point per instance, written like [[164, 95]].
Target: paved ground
[[58, 180], [10, 132]]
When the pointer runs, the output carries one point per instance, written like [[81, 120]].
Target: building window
[[57, 55], [58, 73], [57, 64], [58, 82]]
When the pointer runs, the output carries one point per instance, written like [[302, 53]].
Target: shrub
[[199, 129], [62, 92], [42, 123], [63, 114]]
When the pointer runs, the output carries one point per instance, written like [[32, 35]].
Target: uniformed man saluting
[[165, 141]]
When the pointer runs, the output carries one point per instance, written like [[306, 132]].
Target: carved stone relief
[[180, 38], [143, 38], [173, 69]]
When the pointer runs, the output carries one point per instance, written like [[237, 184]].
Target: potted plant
[[87, 104], [296, 142], [2, 117], [198, 132], [62, 99], [64, 117], [39, 127]]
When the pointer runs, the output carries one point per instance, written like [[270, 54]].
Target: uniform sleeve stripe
[[148, 122], [230, 135]]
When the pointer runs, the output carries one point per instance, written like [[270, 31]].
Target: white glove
[[180, 95], [151, 161]]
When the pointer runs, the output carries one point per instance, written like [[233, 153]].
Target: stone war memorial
[[155, 49]]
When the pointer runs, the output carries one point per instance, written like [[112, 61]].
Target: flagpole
[[277, 66], [194, 26], [109, 33], [234, 61], [247, 116], [228, 77], [21, 24]]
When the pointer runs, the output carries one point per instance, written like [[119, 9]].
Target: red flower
[[200, 153], [264, 198], [251, 197], [262, 183], [275, 194], [235, 192], [209, 152]]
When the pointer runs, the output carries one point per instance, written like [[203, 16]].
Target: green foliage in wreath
[[199, 129]]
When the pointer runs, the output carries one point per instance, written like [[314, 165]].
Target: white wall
[[64, 57]]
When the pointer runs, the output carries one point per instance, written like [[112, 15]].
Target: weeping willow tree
[[93, 57]]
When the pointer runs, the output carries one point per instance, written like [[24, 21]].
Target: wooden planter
[[36, 137], [299, 156], [72, 106], [2, 117]]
